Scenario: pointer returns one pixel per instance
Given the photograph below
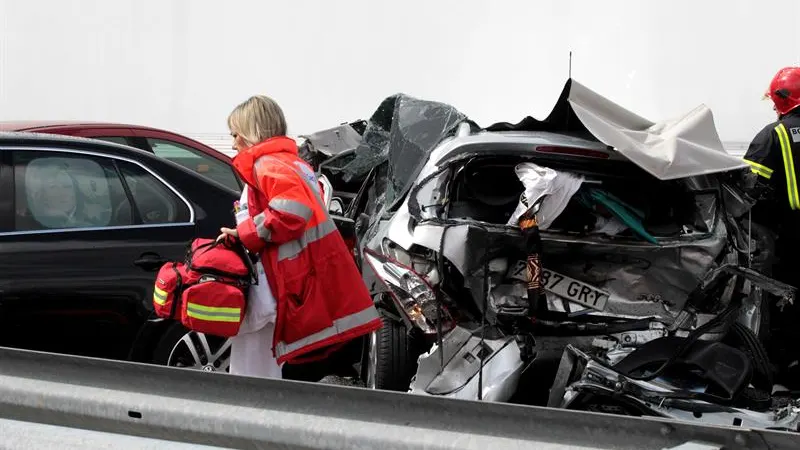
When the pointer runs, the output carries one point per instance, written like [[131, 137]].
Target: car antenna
[[569, 73], [570, 64]]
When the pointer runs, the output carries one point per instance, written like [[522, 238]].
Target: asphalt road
[[341, 381]]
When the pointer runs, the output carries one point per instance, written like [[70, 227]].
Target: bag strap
[[233, 244], [191, 251], [238, 247]]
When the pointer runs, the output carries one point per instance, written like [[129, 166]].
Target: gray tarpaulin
[[683, 147]]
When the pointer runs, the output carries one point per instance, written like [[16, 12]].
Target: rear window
[[196, 161], [626, 202]]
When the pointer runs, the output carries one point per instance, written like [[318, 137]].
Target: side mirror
[[336, 206]]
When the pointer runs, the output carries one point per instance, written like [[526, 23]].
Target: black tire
[[397, 353], [167, 342]]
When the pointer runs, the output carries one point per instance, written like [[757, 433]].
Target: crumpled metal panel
[[578, 373], [332, 141], [323, 145], [462, 352], [402, 131], [643, 279]]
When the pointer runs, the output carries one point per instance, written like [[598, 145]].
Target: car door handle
[[150, 261]]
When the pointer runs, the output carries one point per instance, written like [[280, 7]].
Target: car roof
[[32, 125], [11, 139], [25, 139], [66, 126]]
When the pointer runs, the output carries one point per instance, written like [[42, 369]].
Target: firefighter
[[773, 182], [771, 157]]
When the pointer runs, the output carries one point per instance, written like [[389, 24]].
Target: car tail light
[[414, 297], [573, 151]]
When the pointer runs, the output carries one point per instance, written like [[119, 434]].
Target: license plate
[[565, 287]]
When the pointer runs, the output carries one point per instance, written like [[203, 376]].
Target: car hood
[[402, 132], [681, 147]]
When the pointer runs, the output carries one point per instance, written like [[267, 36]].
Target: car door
[[82, 238]]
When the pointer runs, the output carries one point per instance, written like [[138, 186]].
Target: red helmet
[[784, 90]]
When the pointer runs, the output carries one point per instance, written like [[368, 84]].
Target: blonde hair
[[257, 119]]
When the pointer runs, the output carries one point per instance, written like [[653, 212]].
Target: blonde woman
[[321, 300]]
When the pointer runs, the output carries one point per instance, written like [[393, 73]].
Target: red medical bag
[[207, 292]]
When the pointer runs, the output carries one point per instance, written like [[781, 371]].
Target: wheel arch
[[148, 337]]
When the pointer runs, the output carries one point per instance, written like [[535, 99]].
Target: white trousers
[[251, 354]]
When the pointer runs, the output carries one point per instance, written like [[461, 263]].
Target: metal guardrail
[[83, 402]]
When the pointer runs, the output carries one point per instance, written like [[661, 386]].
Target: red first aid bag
[[208, 292], [167, 289]]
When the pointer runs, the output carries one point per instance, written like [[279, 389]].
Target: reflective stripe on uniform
[[261, 229], [213, 313], [159, 296], [339, 326], [788, 164], [298, 169], [291, 207], [759, 169], [291, 249]]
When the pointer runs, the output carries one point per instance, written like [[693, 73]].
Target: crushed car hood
[[683, 147], [403, 131]]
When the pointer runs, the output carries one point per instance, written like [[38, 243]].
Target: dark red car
[[180, 149]]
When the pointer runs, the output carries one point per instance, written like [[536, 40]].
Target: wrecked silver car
[[638, 288]]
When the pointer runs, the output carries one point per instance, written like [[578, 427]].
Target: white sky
[[184, 64]]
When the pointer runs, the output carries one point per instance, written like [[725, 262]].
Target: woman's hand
[[227, 232]]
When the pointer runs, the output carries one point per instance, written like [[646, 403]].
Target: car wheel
[[181, 347], [390, 357]]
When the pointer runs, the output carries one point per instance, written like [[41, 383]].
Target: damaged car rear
[[593, 260]]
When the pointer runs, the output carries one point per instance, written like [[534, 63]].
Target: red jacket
[[322, 299]]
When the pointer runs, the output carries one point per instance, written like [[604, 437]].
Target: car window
[[153, 201], [196, 161], [61, 190], [114, 139]]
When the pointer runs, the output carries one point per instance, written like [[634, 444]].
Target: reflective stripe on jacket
[[788, 166], [321, 298], [771, 157]]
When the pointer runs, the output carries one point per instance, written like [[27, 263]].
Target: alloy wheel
[[198, 351]]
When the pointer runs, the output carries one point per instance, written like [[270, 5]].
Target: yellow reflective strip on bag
[[210, 318], [788, 164], [214, 309], [213, 313], [159, 296]]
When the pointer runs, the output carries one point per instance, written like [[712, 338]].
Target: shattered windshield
[[402, 132]]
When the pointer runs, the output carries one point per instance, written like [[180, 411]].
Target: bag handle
[[234, 244]]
